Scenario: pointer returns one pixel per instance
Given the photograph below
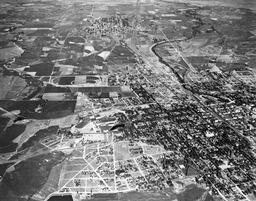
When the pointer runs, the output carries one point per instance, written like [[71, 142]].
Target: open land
[[129, 100]]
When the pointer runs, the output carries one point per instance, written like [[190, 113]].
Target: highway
[[207, 108], [179, 53], [197, 99]]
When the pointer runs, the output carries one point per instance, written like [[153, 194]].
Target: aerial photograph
[[128, 100]]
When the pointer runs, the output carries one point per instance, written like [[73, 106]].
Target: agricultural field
[[128, 100]]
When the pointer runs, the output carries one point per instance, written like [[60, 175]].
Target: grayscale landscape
[[128, 100]]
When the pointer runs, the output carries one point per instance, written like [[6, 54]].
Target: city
[[127, 100]]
